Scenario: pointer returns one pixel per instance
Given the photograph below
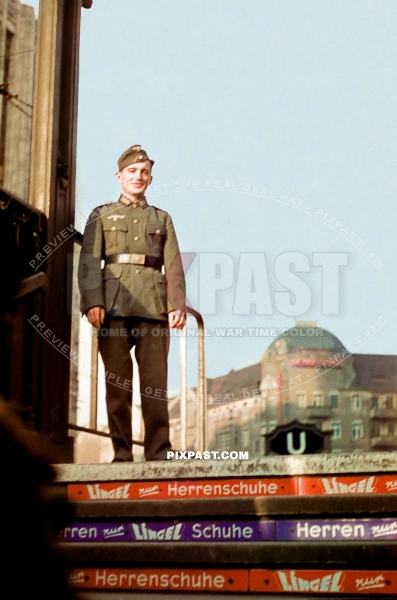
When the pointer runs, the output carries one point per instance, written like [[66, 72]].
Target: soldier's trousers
[[151, 339]]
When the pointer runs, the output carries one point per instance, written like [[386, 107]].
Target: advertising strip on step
[[353, 530], [182, 489], [170, 531], [332, 582], [356, 484], [208, 580]]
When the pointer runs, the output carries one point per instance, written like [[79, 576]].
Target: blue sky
[[296, 97]]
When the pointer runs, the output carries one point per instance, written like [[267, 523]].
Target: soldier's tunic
[[141, 281]]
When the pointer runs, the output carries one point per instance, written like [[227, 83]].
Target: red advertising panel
[[331, 582], [326, 363], [171, 490], [197, 580], [342, 485]]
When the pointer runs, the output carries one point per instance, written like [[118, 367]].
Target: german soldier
[[133, 301]]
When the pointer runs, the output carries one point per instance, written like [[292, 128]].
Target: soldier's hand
[[96, 316], [177, 319]]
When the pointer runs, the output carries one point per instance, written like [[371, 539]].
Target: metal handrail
[[201, 385], [183, 388], [94, 381], [31, 284]]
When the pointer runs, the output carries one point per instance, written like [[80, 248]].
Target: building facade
[[306, 374], [17, 58]]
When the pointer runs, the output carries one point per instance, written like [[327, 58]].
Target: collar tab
[[127, 202]]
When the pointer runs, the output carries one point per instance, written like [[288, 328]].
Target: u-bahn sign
[[297, 438]]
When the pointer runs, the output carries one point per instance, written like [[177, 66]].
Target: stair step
[[339, 555], [271, 499], [350, 505], [279, 466], [123, 595]]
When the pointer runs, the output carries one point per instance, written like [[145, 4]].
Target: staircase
[[319, 525]]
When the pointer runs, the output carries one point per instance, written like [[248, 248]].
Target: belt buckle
[[138, 259]]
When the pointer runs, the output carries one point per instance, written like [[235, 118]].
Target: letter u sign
[[290, 443]]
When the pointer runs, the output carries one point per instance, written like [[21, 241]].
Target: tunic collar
[[127, 202]]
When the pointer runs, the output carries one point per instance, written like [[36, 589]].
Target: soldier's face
[[135, 179]]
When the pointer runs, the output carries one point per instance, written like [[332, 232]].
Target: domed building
[[306, 365], [306, 374]]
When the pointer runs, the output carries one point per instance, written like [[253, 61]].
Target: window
[[272, 425], [357, 402], [374, 401], [256, 446], [257, 419], [385, 402], [246, 437], [318, 399], [223, 439], [357, 430], [383, 429], [336, 430], [235, 437], [334, 400], [287, 410], [301, 399]]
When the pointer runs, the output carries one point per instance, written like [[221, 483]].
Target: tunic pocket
[[115, 235], [156, 229], [156, 236]]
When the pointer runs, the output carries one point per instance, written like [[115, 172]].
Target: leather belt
[[146, 260]]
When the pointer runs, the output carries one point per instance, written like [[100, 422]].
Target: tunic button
[[135, 221], [158, 230], [113, 228], [136, 238], [137, 271]]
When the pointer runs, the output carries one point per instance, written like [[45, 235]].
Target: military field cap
[[135, 154]]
